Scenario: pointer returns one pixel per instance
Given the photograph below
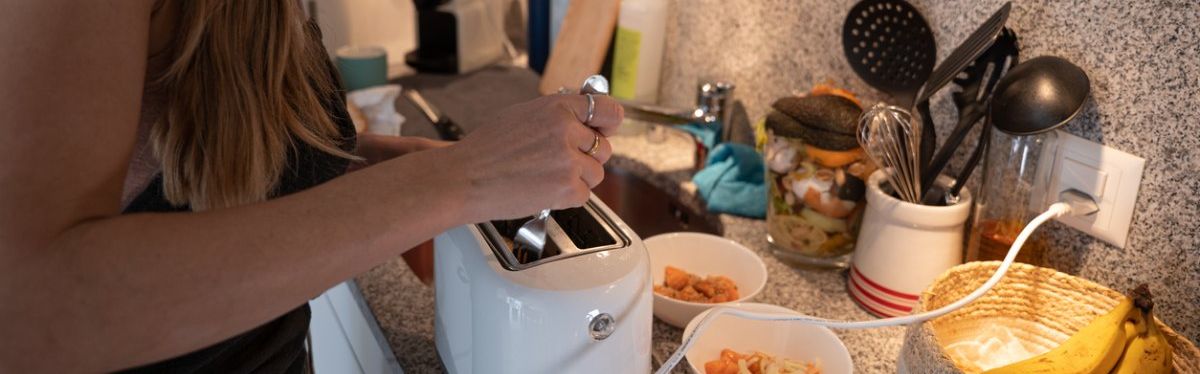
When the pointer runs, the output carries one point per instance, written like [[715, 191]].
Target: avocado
[[826, 112], [783, 125]]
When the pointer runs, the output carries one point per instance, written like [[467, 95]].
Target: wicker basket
[[1041, 306]]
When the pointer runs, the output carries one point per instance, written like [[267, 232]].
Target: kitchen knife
[[447, 129]]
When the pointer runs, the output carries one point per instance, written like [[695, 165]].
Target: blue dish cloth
[[732, 181], [707, 133]]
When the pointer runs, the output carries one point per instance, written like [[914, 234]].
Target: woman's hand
[[375, 148], [535, 156]]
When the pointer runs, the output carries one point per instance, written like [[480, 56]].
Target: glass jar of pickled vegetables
[[816, 189]]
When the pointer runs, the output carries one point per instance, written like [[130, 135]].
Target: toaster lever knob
[[601, 326]]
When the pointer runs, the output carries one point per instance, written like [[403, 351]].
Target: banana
[[1131, 331], [1094, 349], [1148, 352], [1135, 330], [1161, 357]]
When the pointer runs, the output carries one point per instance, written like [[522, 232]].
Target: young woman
[[171, 192]]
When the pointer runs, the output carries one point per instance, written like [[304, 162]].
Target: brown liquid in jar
[[996, 237]]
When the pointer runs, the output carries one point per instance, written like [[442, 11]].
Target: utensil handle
[[448, 130], [980, 149], [928, 140], [942, 158]]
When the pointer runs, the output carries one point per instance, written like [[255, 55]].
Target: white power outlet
[[1109, 176]]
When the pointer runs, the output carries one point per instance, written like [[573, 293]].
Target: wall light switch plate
[[1110, 176]]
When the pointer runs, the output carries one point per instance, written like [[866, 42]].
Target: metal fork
[[532, 234]]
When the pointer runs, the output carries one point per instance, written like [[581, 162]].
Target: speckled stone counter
[[405, 310], [1143, 59]]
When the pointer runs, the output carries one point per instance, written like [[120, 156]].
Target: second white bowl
[[703, 255], [782, 339]]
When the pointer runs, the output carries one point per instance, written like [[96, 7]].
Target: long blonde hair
[[246, 80]]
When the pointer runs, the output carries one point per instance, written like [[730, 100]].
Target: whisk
[[890, 140]]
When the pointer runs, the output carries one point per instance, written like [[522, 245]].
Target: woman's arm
[[375, 148], [118, 291], [83, 288]]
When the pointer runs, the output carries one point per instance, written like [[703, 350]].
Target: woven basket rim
[[1090, 294]]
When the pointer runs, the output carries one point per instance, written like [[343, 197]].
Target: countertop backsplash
[[1143, 58]]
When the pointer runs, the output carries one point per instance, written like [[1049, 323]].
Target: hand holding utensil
[[532, 234]]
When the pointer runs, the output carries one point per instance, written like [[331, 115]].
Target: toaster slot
[[570, 232], [507, 229], [582, 228]]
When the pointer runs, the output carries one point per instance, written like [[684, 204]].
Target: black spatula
[[976, 81]]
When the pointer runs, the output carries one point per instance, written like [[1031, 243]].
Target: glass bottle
[[1014, 189]]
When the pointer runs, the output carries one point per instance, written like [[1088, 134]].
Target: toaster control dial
[[601, 326]]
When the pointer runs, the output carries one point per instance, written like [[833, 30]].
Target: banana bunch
[[1147, 350], [1125, 340]]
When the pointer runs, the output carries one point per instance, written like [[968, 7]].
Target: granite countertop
[[404, 306]]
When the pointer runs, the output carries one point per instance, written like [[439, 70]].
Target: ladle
[[1036, 96], [1039, 95]]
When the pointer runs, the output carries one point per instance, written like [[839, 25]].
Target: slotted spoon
[[890, 46]]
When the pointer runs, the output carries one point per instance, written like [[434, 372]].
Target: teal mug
[[362, 66]]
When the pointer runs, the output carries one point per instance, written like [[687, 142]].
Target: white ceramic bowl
[[703, 255], [782, 339]]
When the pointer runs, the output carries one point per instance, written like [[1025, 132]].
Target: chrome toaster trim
[[567, 249]]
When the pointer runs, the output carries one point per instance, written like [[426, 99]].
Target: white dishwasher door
[[345, 336]]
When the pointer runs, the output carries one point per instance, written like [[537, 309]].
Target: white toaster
[[583, 306]]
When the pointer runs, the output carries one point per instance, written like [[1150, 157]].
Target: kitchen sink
[[647, 210]]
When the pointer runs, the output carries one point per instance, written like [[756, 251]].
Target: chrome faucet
[[714, 103]]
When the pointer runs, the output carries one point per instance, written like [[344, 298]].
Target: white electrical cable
[[1055, 210]]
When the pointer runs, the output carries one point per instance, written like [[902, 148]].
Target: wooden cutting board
[[582, 43]]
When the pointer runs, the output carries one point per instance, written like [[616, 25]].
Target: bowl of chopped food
[[735, 345], [693, 272]]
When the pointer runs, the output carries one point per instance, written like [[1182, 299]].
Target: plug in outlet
[[1109, 176]]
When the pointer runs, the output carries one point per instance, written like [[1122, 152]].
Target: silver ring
[[595, 144], [591, 110]]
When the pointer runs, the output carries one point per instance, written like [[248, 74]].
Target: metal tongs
[[532, 235]]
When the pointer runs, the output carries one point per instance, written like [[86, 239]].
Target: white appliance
[[583, 306], [458, 36]]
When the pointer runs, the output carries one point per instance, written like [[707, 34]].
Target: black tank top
[[278, 345]]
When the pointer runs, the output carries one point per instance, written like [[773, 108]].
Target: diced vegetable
[[818, 220], [731, 362]]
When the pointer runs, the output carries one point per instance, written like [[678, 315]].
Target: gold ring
[[595, 144]]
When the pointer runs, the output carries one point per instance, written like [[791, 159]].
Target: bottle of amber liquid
[[1013, 190]]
